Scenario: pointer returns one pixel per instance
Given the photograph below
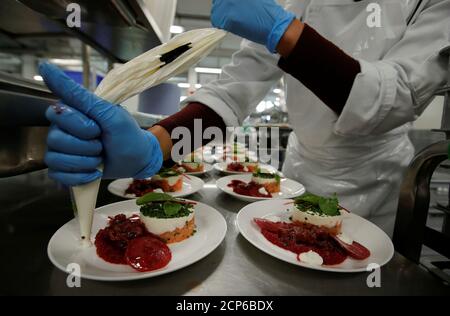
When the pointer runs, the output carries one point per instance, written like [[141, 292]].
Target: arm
[[305, 53], [369, 97], [227, 101], [397, 89]]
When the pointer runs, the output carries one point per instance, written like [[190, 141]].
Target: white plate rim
[[266, 250], [151, 274], [194, 181], [222, 183]]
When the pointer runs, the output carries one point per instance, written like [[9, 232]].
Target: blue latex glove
[[261, 21], [87, 130]]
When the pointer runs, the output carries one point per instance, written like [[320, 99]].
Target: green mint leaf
[[171, 208], [329, 206], [154, 197]]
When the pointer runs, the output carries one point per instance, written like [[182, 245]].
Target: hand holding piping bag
[[87, 131]]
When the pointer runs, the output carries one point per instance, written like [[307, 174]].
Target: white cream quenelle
[[141, 73]]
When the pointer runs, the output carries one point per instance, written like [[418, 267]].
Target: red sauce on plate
[[249, 189], [301, 237], [114, 241], [147, 254], [235, 167], [140, 187]]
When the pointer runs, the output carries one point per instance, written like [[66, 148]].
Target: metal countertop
[[33, 208]]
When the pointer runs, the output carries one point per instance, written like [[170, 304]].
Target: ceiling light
[[277, 91], [38, 78], [66, 62], [176, 29], [184, 85], [205, 70]]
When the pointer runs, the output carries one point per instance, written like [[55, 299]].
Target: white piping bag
[[141, 73]]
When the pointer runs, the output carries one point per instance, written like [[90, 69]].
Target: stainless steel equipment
[[23, 127], [118, 29], [411, 230]]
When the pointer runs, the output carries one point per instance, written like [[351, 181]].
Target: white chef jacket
[[361, 154]]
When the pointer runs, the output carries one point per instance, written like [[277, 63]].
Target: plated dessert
[[243, 165], [313, 232], [263, 184], [167, 180], [191, 164], [173, 220], [132, 239], [140, 241]]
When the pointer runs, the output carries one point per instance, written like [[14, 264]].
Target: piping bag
[[141, 73]]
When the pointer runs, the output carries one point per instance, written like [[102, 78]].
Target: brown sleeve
[[186, 117], [323, 68]]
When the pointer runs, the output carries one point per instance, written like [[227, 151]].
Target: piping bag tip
[[84, 199]]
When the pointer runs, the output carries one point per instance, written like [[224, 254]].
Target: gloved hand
[[87, 130], [261, 21]]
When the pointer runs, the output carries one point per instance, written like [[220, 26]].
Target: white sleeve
[[243, 83], [397, 89]]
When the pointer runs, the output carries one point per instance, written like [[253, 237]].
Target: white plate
[[64, 247], [222, 167], [288, 188], [207, 168], [356, 227], [191, 185]]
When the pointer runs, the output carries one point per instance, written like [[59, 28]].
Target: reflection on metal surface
[[22, 150], [23, 102]]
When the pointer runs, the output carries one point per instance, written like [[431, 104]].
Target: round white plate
[[64, 247], [191, 185], [356, 227], [207, 168], [288, 188], [222, 167]]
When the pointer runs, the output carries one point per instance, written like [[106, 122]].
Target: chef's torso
[[364, 170]]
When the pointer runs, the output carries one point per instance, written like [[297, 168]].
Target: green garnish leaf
[[172, 208], [267, 175], [318, 204], [154, 197], [310, 198], [329, 206], [158, 210], [168, 172]]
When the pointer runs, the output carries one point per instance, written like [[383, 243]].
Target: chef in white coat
[[362, 153], [357, 74]]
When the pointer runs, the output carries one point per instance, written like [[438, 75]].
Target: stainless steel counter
[[33, 208]]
